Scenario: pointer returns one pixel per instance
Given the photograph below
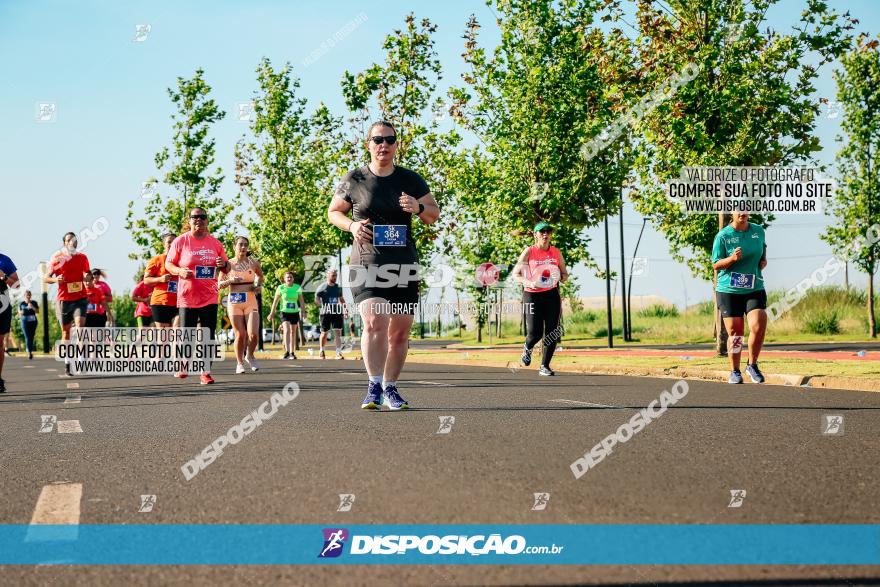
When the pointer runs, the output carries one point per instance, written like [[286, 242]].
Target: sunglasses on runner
[[198, 217], [390, 139], [546, 231]]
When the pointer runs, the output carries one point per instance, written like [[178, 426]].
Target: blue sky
[[113, 113]]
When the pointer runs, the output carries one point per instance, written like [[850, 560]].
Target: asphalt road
[[514, 434]]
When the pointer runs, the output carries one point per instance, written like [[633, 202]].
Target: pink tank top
[[543, 268]]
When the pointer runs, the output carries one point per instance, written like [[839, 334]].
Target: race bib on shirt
[[30, 318], [742, 280], [205, 272], [389, 235], [238, 297], [290, 306], [172, 286], [74, 286], [92, 308]]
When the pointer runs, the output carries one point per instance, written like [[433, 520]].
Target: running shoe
[[251, 362], [30, 356], [546, 371], [286, 356], [322, 355], [735, 377], [181, 374], [373, 401], [338, 356], [754, 373], [206, 379], [67, 369], [292, 356], [526, 357], [393, 399], [239, 369], [2, 386]]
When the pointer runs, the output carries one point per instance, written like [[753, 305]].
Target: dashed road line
[[68, 426], [73, 386], [58, 505], [74, 399]]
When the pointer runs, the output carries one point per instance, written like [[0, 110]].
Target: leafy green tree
[[554, 79], [751, 103], [288, 170], [188, 180], [855, 206]]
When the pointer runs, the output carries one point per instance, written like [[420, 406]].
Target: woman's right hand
[[167, 278], [185, 273], [737, 254], [271, 316], [361, 231]]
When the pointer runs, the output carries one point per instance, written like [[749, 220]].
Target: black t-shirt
[[330, 297], [378, 198], [26, 310]]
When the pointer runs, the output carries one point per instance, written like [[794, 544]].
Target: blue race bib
[[290, 306], [205, 272], [172, 286], [92, 308], [389, 235], [742, 280], [30, 318], [238, 297]]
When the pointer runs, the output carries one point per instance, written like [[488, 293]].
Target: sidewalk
[[839, 369]]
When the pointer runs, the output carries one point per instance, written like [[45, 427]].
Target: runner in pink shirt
[[196, 257]]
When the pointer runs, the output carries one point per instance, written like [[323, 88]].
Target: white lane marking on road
[[74, 399], [28, 367], [351, 373], [51, 370], [58, 503], [73, 386], [68, 426], [434, 383], [579, 403]]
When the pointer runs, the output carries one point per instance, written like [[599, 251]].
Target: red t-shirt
[[544, 268], [142, 290], [105, 289], [200, 256], [71, 269], [164, 294], [95, 296]]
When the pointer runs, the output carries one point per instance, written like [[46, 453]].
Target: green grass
[[825, 314]]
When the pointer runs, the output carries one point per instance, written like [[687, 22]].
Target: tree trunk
[[872, 324]]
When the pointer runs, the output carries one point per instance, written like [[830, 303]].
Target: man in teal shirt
[[739, 254]]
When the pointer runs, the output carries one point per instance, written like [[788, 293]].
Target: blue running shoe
[[373, 401], [393, 399], [755, 373], [735, 376]]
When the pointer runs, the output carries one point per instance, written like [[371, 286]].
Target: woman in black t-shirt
[[27, 311], [383, 274]]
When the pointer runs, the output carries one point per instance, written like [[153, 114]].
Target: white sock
[[375, 379], [385, 384]]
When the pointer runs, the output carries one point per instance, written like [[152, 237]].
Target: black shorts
[[67, 311], [331, 322], [402, 296], [291, 317], [95, 320], [6, 320], [144, 321], [736, 305], [164, 314]]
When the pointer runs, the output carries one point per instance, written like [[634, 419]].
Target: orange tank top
[[543, 268]]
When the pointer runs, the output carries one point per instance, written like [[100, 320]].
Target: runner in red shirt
[[142, 312], [96, 316], [67, 268], [196, 257], [109, 318]]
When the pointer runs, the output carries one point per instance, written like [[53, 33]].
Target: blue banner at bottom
[[625, 544]]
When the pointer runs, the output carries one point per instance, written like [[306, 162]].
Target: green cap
[[542, 225]]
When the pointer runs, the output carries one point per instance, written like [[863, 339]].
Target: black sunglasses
[[546, 231], [390, 139], [199, 217]]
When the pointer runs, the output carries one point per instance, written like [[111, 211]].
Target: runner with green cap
[[541, 268]]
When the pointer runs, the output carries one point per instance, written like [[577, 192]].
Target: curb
[[816, 381]]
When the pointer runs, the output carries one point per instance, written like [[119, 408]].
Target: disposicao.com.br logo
[[477, 545]]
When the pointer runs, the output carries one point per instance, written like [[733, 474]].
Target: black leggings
[[542, 321], [206, 317], [29, 329]]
